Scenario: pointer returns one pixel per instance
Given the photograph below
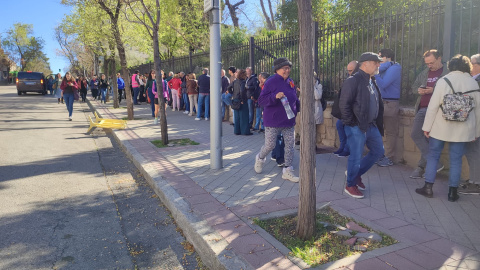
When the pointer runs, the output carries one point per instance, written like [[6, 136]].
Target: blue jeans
[[258, 118], [104, 94], [455, 151], [136, 90], [226, 101], [203, 99], [251, 106], [152, 101], [357, 139], [186, 102], [69, 98], [342, 136]]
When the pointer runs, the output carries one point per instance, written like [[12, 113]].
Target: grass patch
[[176, 142], [324, 246]]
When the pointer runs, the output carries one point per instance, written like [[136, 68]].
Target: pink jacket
[[154, 89]]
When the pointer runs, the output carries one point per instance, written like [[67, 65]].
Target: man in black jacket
[[361, 109], [252, 86]]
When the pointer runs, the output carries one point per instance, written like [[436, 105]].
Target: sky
[[44, 15]]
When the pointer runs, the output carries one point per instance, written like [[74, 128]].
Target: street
[[74, 201]]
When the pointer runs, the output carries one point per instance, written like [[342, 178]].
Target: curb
[[203, 237]]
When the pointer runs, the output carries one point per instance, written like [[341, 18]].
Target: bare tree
[[151, 22], [307, 196], [268, 17], [232, 8]]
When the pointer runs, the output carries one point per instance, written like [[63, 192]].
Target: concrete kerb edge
[[402, 242], [275, 243], [196, 230]]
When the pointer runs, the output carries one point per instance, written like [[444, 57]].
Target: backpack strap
[[471, 91], [450, 84]]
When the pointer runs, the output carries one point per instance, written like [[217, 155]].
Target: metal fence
[[446, 25]]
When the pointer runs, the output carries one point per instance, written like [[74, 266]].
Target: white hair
[[475, 57]]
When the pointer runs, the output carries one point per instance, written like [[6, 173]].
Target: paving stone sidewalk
[[215, 207]]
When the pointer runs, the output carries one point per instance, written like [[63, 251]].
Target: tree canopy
[[25, 49]]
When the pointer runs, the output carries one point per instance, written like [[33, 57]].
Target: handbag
[[76, 96], [457, 106], [236, 104]]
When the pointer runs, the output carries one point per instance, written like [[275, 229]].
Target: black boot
[[426, 190], [452, 194]]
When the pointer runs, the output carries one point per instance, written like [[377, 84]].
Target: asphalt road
[[74, 201]]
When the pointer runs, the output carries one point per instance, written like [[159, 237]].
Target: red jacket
[[63, 86], [175, 83]]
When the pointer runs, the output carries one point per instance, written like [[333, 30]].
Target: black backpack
[[336, 106]]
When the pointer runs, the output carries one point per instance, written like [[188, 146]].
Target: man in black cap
[[361, 108]]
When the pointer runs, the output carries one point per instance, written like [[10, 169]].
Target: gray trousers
[[472, 152], [390, 123], [271, 139], [419, 138]]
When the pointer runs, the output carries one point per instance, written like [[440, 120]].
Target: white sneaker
[[259, 164], [173, 110], [155, 122], [69, 118], [185, 112], [288, 175], [206, 119], [198, 118]]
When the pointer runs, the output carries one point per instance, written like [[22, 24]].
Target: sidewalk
[[214, 207]]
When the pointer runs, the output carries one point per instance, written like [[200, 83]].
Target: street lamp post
[[213, 6]]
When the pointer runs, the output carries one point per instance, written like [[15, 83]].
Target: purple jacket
[[274, 114]]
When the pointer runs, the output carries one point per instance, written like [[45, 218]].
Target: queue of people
[[367, 109]]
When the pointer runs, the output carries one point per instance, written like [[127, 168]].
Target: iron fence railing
[[408, 32]]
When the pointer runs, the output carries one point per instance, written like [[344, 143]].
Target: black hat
[[281, 62], [369, 56]]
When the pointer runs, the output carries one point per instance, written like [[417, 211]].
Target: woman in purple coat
[[279, 117]]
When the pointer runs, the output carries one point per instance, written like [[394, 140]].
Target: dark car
[[28, 81]]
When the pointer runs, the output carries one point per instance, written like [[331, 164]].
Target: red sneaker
[[354, 192], [359, 183]]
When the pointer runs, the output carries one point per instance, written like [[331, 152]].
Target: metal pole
[[315, 49], [448, 35], [190, 63], [252, 54], [215, 89]]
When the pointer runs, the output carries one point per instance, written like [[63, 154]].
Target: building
[[5, 67]]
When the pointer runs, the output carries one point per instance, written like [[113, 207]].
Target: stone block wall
[[406, 151]]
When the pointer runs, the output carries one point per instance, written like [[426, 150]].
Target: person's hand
[[427, 134], [279, 95]]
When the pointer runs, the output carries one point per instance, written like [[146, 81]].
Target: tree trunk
[[161, 103], [113, 74], [307, 196], [233, 12], [270, 20], [106, 68], [123, 64]]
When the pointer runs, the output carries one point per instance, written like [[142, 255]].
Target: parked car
[[28, 81]]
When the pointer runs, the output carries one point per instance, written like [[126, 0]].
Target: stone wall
[[406, 151]]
